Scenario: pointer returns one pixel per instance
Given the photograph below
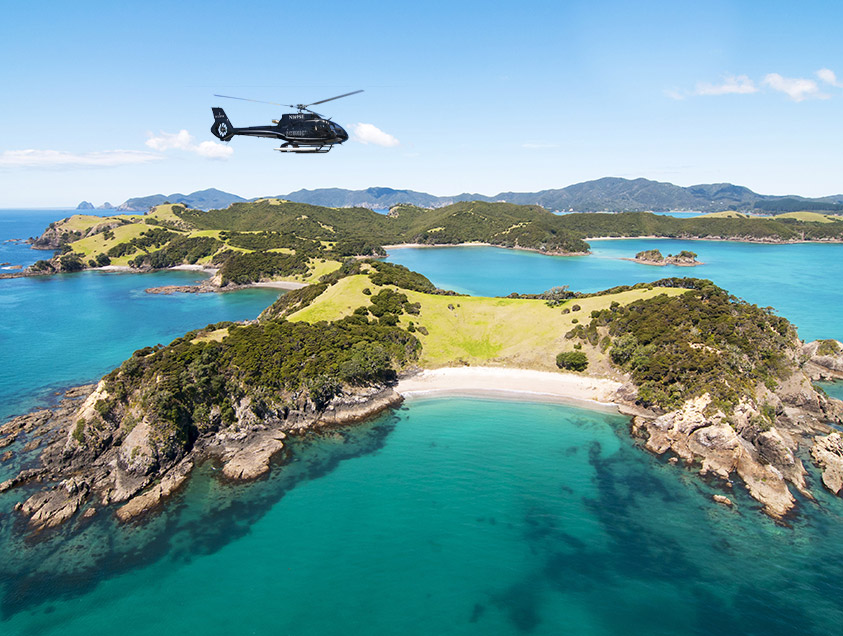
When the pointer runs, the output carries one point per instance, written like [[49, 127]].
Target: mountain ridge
[[607, 194]]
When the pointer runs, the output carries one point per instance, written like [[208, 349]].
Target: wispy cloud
[[183, 140], [797, 88], [829, 77], [731, 85], [62, 159], [371, 134], [530, 145]]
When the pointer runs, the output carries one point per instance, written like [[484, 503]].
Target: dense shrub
[[572, 360]]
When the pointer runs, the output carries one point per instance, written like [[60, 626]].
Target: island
[[685, 258], [269, 239], [709, 381]]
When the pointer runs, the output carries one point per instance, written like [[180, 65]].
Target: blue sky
[[104, 101]]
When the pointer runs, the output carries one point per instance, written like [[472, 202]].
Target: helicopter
[[303, 132]]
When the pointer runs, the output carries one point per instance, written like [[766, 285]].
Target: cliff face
[[759, 441], [233, 393], [130, 464]]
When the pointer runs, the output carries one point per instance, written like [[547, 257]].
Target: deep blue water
[[802, 282], [448, 516]]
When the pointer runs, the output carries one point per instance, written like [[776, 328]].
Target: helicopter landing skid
[[304, 149]]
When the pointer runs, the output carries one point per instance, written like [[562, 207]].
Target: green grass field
[[810, 217], [514, 332], [728, 214]]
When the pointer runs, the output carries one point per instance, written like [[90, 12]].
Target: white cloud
[[797, 88], [183, 140], [370, 134], [674, 94], [829, 77], [213, 150], [62, 159], [732, 85]]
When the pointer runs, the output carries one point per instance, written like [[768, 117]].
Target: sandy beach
[[542, 385], [279, 284]]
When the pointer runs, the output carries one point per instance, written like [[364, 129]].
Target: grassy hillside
[[172, 234], [719, 225], [500, 331]]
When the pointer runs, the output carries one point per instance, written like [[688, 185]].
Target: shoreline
[[663, 263], [398, 246], [719, 239], [508, 382]]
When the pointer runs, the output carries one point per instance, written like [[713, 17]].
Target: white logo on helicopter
[[222, 129]]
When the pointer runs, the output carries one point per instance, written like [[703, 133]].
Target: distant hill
[[609, 194], [375, 198], [209, 199]]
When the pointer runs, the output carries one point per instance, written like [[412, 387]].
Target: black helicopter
[[304, 131]]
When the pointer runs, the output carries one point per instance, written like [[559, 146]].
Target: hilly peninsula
[[720, 385]]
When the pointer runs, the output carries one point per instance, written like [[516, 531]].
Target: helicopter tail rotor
[[222, 128]]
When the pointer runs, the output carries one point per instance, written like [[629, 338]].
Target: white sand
[[564, 387], [280, 284], [196, 268]]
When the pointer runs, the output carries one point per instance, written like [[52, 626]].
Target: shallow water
[[454, 516], [70, 329]]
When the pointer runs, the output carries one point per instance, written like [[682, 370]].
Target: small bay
[[802, 282], [453, 515]]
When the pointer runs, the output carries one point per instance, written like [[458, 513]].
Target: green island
[[721, 385], [273, 238]]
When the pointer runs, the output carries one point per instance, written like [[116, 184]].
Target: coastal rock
[[23, 477], [828, 454], [86, 463], [722, 499], [148, 500], [252, 460], [824, 359], [137, 454], [47, 509], [354, 408], [695, 436]]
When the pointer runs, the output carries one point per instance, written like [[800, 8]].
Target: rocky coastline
[[764, 455], [761, 444], [75, 480]]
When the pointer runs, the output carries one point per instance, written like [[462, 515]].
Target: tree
[[573, 360]]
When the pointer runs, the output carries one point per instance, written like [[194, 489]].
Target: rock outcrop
[[746, 444], [828, 454], [84, 467], [824, 359]]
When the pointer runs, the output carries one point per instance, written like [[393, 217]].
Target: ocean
[[447, 516]]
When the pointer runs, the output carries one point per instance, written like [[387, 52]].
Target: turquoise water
[[73, 328], [453, 516], [448, 516], [802, 282], [18, 225]]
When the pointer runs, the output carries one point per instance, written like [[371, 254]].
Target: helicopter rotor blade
[[333, 98], [259, 101]]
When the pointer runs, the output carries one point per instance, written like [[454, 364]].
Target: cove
[[800, 281], [456, 515]]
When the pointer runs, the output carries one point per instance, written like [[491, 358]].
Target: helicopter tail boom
[[222, 128]]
